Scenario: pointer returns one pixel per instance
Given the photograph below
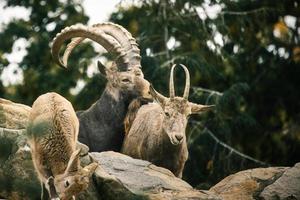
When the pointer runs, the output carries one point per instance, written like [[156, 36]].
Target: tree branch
[[231, 149], [166, 31], [213, 92]]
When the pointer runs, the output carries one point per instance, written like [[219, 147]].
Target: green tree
[[41, 74], [246, 53]]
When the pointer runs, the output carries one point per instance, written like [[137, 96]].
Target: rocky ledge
[[121, 177]]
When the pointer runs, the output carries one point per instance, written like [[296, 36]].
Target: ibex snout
[[144, 88], [176, 138], [179, 137]]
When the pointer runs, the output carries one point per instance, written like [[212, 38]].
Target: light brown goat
[[157, 133], [52, 131]]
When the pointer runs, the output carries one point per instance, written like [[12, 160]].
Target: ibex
[[52, 131], [101, 126], [157, 133]]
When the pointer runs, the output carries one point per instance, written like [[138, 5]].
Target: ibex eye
[[167, 114], [138, 73], [67, 184]]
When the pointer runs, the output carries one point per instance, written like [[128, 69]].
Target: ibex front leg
[[51, 189], [48, 188], [44, 192]]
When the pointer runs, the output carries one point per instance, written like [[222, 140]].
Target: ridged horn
[[187, 82], [75, 31], [69, 49], [120, 34], [171, 83]]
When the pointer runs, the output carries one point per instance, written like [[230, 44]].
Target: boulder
[[287, 186], [13, 115], [272, 183], [120, 177], [17, 176]]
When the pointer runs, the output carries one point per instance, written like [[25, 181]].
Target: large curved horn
[[69, 49], [119, 33], [124, 38], [171, 82], [108, 42], [187, 82]]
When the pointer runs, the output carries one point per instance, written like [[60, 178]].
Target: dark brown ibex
[[157, 133], [101, 126], [52, 131]]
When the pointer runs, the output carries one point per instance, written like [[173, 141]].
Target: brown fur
[[148, 140], [157, 130], [53, 130], [133, 108]]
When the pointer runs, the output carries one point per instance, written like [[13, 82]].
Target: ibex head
[[125, 74], [177, 109], [130, 82], [75, 179]]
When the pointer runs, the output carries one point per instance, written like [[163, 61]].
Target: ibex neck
[[102, 126], [113, 104], [173, 156]]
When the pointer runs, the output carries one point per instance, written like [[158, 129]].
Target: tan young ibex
[[157, 133], [101, 126], [52, 135]]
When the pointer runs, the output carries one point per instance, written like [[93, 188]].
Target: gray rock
[[17, 176], [285, 187], [246, 185], [122, 177], [13, 115]]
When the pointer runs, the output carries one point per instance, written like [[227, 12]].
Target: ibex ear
[[157, 96], [73, 162], [90, 169], [101, 68], [196, 108]]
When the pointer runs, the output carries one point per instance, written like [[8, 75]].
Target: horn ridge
[[124, 37], [120, 34], [171, 83], [69, 49], [187, 82]]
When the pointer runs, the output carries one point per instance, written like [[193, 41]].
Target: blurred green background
[[243, 56]]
